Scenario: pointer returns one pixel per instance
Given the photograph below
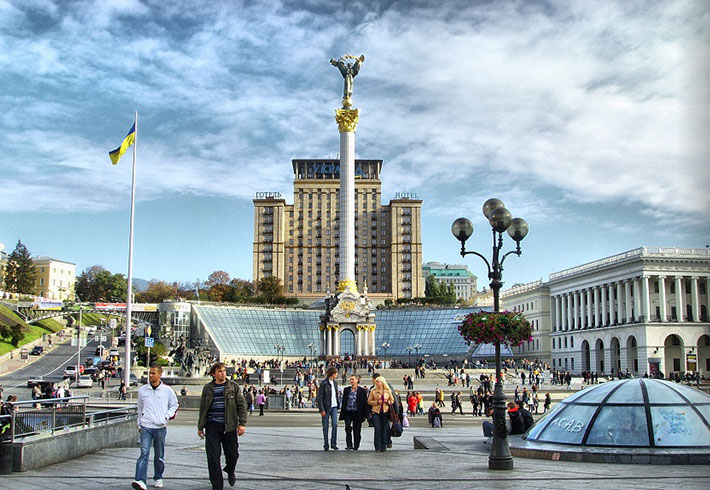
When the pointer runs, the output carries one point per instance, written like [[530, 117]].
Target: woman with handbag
[[381, 399]]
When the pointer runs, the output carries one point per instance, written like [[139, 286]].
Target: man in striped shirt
[[222, 418]]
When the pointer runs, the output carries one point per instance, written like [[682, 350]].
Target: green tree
[[242, 290], [431, 287], [20, 272], [220, 278], [98, 284], [270, 289]]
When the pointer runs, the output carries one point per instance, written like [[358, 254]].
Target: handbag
[[405, 421], [396, 427]]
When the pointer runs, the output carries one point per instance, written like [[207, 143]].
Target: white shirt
[[333, 394], [156, 406]]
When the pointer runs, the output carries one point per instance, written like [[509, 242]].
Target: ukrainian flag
[[130, 139]]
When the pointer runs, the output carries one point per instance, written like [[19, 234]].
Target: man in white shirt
[[157, 403]]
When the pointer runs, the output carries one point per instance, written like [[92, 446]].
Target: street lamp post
[[409, 355], [416, 349], [280, 349], [385, 346], [500, 220]]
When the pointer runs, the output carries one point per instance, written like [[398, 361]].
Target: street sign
[[112, 323], [149, 342], [103, 338], [148, 331]]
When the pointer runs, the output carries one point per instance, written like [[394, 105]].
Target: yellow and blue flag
[[130, 139]]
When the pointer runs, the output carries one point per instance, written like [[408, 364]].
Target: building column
[[358, 351], [636, 299], [582, 308], [589, 308], [336, 334], [558, 308], [627, 299], [646, 299], [323, 348], [695, 298], [567, 312], [328, 340], [367, 344], [612, 303], [576, 310], [596, 307], [619, 304], [679, 297], [604, 291], [662, 297]]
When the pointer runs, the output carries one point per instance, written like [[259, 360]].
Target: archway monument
[[348, 309]]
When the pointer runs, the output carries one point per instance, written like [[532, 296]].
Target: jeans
[[217, 439], [332, 415], [487, 428], [353, 427], [156, 438], [382, 430]]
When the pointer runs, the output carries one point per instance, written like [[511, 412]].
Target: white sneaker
[[139, 485], [158, 484]]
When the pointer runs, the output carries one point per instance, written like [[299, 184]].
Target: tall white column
[[612, 303], [605, 291], [619, 301], [582, 308], [627, 299], [596, 307], [558, 307], [347, 122], [679, 298], [694, 298], [359, 341], [636, 299], [367, 343], [575, 310], [568, 298], [646, 299], [589, 308], [323, 344], [328, 341], [662, 297], [336, 334]]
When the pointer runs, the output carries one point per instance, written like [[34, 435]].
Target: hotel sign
[[268, 195], [405, 195]]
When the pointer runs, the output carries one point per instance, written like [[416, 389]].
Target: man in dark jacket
[[527, 416], [517, 424], [328, 405], [222, 418], [353, 412]]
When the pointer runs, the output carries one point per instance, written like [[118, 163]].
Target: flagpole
[[129, 305]]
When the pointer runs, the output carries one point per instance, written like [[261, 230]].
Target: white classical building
[[533, 301], [645, 311]]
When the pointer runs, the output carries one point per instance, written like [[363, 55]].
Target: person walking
[[353, 412], [261, 401], [221, 421], [328, 405], [380, 400], [157, 403]]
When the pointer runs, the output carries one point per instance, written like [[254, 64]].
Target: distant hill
[[140, 284]]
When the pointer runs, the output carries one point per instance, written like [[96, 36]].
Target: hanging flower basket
[[506, 327]]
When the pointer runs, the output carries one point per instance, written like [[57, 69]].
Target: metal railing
[[33, 417]]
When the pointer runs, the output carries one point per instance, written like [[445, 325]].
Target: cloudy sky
[[589, 119]]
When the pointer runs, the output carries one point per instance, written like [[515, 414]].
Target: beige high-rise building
[[299, 242]]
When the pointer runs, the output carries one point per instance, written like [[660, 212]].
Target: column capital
[[347, 119]]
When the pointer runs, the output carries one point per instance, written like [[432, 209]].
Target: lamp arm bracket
[[464, 253], [517, 252]]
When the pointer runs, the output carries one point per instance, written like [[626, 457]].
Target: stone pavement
[[292, 458]]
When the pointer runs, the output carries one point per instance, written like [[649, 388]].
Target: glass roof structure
[[640, 412], [255, 331]]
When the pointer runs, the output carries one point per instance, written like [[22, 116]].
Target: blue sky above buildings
[[589, 120]]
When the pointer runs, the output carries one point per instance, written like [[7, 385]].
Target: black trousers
[[217, 439], [353, 429]]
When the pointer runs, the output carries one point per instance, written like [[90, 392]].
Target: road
[[50, 366]]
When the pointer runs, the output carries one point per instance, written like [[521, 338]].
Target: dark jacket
[[324, 395], [528, 419], [361, 405], [235, 406], [517, 424]]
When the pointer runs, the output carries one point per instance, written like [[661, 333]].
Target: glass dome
[[629, 413]]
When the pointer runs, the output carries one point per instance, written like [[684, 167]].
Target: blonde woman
[[381, 399]]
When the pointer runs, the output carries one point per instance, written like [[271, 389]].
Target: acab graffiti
[[570, 425]]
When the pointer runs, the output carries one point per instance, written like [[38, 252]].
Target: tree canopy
[[20, 273]]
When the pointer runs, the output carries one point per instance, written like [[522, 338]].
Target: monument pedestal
[[348, 311]]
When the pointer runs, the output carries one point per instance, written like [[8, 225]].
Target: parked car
[[70, 371], [85, 382], [91, 371], [113, 352], [100, 351], [34, 381], [133, 380], [89, 361], [37, 350]]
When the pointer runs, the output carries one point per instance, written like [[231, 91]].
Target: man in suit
[[328, 405], [354, 412]]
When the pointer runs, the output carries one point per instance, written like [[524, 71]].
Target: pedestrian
[[546, 405], [261, 401], [353, 412], [328, 405], [381, 399], [157, 403], [221, 421]]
